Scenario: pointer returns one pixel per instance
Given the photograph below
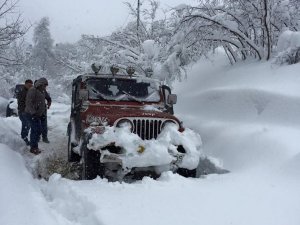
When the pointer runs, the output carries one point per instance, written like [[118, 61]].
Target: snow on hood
[[151, 108], [158, 152]]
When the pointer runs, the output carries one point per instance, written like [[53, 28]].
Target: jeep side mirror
[[172, 99], [83, 94]]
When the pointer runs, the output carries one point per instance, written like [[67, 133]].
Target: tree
[[11, 50], [147, 47], [10, 30], [243, 28], [42, 50]]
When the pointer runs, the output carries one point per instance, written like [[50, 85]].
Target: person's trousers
[[44, 128], [35, 131], [25, 119]]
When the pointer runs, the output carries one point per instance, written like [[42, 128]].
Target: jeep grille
[[146, 128]]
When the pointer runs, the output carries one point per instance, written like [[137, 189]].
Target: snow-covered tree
[[11, 45], [42, 50], [147, 47], [288, 48], [243, 28], [11, 29]]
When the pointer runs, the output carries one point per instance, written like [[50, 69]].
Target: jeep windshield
[[117, 89]]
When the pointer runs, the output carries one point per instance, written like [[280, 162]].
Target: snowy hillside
[[245, 114], [248, 118]]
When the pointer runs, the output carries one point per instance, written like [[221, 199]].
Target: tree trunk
[[266, 19]]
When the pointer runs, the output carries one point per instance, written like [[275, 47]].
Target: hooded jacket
[[35, 99], [21, 97]]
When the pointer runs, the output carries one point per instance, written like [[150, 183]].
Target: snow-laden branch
[[222, 24], [132, 50]]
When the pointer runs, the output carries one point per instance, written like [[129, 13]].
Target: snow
[[13, 103], [181, 7], [150, 48], [156, 152], [21, 199], [287, 40], [247, 116], [3, 105], [151, 108], [9, 132]]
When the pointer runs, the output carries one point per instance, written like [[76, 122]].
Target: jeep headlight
[[169, 122], [125, 123]]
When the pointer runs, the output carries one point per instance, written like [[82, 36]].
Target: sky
[[71, 18]]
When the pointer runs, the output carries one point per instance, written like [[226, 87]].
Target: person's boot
[[46, 140], [35, 151]]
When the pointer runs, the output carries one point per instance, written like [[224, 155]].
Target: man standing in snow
[[44, 125], [21, 97], [35, 107]]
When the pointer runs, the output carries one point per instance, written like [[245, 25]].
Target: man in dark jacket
[[35, 107], [44, 124], [21, 97]]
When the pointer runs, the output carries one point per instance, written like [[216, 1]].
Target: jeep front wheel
[[187, 173], [72, 156], [90, 163]]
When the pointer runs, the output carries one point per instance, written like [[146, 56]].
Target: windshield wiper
[[102, 96], [131, 97], [98, 94]]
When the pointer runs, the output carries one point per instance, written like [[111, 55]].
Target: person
[[21, 98], [44, 125], [35, 107]]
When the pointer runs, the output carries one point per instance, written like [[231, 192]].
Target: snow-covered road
[[247, 128]]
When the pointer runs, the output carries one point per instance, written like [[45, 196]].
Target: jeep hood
[[113, 112]]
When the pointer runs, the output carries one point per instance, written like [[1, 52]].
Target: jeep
[[102, 101], [12, 106]]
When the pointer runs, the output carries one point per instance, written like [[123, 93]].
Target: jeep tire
[[187, 173], [72, 156], [90, 162]]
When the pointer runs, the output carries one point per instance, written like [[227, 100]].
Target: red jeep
[[102, 103]]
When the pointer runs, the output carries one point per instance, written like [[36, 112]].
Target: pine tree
[[42, 51]]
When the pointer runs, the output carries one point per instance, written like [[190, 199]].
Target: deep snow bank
[[246, 114], [243, 105], [10, 129], [234, 198], [21, 199]]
